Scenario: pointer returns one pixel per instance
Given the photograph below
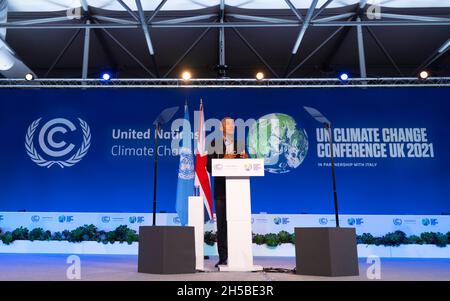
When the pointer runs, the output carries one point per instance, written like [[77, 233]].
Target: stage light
[[343, 76], [106, 76], [186, 75], [29, 76], [259, 76], [424, 74]]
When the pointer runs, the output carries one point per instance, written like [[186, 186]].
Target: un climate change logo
[[51, 140]]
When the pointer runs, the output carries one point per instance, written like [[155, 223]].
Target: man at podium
[[225, 147]]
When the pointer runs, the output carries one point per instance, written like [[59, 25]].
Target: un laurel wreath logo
[[186, 168], [58, 125]]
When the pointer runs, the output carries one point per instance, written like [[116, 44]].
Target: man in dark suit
[[226, 148]]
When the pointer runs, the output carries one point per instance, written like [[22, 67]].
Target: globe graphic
[[276, 138]]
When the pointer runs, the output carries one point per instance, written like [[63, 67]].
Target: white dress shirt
[[229, 146]]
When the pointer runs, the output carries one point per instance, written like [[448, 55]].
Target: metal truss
[[362, 19], [399, 82]]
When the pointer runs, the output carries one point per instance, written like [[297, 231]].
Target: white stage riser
[[284, 250], [377, 225]]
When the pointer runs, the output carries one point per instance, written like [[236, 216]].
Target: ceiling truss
[[313, 17]]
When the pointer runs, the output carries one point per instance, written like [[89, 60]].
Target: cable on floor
[[279, 270]]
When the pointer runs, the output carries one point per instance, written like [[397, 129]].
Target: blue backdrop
[[101, 182]]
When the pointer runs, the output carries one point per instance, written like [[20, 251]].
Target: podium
[[239, 220], [196, 219]]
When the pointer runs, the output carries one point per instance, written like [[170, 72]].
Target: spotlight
[[29, 76], [106, 76], [343, 76], [424, 74], [259, 76], [186, 75]]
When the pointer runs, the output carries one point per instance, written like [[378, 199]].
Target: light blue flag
[[186, 173]]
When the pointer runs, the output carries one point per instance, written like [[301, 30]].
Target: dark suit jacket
[[219, 182]]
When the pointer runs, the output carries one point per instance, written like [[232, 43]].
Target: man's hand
[[229, 156]]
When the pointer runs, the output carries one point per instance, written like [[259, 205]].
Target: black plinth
[[166, 250], [326, 251]]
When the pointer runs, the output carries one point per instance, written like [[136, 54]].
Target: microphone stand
[[327, 124], [155, 171], [164, 117], [333, 176]]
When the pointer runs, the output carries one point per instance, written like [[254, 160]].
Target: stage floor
[[124, 267]]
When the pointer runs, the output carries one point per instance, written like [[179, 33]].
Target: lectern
[[239, 220]]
